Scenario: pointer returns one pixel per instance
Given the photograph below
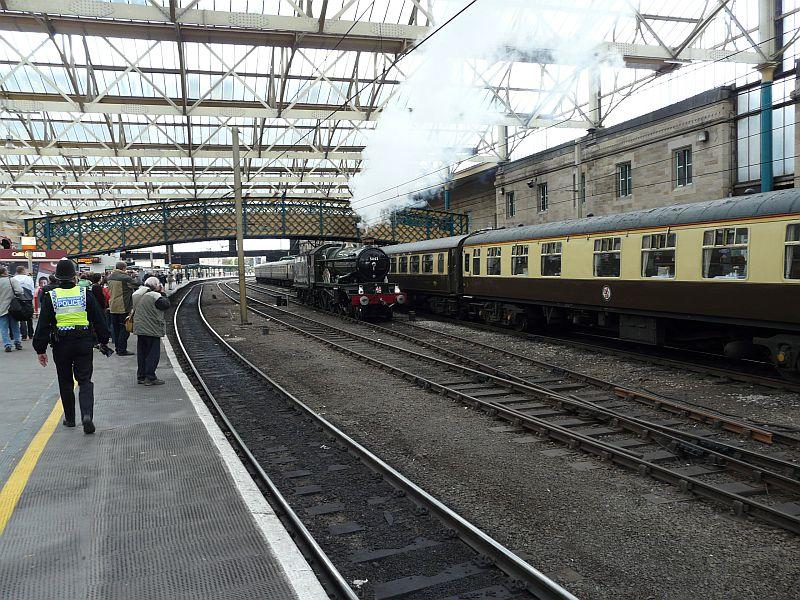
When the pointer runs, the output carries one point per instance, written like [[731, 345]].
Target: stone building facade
[[686, 152]]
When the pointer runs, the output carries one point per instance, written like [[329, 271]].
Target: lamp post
[[237, 189]]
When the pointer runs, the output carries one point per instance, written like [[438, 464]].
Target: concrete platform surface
[[154, 505]]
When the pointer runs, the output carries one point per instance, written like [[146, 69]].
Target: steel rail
[[522, 573], [741, 505], [691, 411], [320, 559], [763, 380], [752, 462]]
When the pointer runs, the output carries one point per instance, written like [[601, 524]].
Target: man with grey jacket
[[120, 287], [149, 326]]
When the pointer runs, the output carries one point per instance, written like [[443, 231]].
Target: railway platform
[[155, 504]]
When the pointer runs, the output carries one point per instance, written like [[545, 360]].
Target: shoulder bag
[[16, 308]]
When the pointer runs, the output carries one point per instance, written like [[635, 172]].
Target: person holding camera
[[68, 314], [149, 325]]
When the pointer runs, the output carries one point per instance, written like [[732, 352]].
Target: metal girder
[[115, 19], [173, 179], [171, 196], [37, 102], [84, 150]]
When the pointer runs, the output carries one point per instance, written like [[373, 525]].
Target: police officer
[[67, 315]]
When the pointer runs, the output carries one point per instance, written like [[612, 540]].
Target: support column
[[447, 196], [766, 34], [595, 117], [502, 142], [767, 178], [576, 180], [237, 188]]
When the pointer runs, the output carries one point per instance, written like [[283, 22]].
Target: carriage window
[[658, 255], [519, 259], [415, 264], [551, 259], [606, 257], [466, 262], [393, 264], [440, 266], [476, 261], [427, 263], [403, 265], [725, 253], [792, 260], [493, 256]]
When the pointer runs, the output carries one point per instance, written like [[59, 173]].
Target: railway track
[[560, 378], [699, 362], [705, 464], [369, 531]]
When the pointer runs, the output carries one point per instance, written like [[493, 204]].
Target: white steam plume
[[431, 121]]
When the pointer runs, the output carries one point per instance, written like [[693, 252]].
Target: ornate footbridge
[[155, 224]]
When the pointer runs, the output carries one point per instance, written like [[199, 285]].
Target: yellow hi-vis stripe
[[13, 488]]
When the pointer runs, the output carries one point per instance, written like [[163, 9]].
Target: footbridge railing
[[154, 224]]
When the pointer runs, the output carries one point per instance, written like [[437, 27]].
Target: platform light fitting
[[9, 142]]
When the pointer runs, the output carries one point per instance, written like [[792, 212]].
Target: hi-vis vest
[[70, 307]]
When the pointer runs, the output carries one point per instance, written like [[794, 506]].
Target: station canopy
[[115, 102]]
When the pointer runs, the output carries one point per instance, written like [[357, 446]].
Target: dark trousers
[[120, 334], [148, 353], [26, 328], [73, 359]]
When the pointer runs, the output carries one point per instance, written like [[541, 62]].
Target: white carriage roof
[[780, 202], [113, 102]]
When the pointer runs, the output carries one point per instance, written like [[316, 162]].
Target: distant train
[[723, 276], [350, 281]]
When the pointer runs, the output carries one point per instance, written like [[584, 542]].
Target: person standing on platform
[[26, 283], [9, 326], [149, 325], [121, 286], [67, 316]]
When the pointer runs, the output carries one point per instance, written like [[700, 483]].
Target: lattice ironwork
[[413, 224], [155, 224]]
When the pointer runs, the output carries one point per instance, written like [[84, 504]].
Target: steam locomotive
[[350, 281]]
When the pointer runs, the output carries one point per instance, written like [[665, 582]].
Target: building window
[[476, 261], [725, 253], [624, 180], [511, 205], [792, 261], [519, 259], [468, 215], [582, 189], [403, 267], [415, 264], [393, 264], [551, 259], [493, 257], [683, 167], [543, 201], [606, 257], [658, 255], [440, 266], [427, 263]]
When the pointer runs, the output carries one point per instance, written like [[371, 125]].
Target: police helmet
[[65, 270]]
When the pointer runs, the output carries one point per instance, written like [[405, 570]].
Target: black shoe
[[24, 337], [88, 426], [141, 381], [124, 353], [69, 423], [18, 345], [155, 382]]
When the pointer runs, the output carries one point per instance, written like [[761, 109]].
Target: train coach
[[279, 272], [722, 276]]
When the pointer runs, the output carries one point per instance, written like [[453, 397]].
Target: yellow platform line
[[13, 488]]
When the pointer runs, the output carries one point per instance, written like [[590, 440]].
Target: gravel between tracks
[[599, 531]]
